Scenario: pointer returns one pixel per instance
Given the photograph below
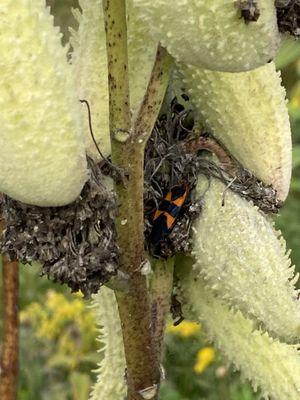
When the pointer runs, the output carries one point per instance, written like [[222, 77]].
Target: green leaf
[[289, 52], [80, 386], [296, 156]]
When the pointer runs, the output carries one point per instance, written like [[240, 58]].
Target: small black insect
[[176, 310], [249, 10]]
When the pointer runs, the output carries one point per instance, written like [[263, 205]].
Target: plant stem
[[134, 308], [143, 374], [9, 356], [161, 291], [118, 79], [154, 95]]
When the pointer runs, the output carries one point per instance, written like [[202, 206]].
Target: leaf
[[289, 52], [80, 385]]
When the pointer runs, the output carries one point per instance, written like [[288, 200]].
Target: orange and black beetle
[[165, 216]]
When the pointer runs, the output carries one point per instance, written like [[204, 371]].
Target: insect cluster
[[288, 16], [75, 244]]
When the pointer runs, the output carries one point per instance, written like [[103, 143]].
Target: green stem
[[154, 95], [134, 308], [117, 59], [143, 374], [161, 291]]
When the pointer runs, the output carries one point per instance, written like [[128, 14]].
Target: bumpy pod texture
[[247, 112], [212, 34], [42, 158], [110, 374], [90, 62], [244, 261], [267, 363]]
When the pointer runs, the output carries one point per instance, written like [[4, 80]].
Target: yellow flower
[[185, 328], [205, 356], [64, 320], [295, 102]]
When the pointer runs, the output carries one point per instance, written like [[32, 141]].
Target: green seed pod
[[247, 113], [42, 159], [110, 373], [90, 62], [244, 261], [267, 363], [212, 35]]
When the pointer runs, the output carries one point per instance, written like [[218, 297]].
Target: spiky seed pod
[[247, 113], [267, 363], [111, 369], [212, 35], [42, 159], [90, 62], [244, 261]]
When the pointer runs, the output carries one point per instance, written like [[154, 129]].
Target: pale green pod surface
[[247, 113], [90, 62], [42, 154], [269, 364], [110, 383], [244, 261], [212, 34]]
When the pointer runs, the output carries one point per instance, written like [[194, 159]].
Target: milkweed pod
[[110, 383], [269, 364], [247, 113], [212, 34], [42, 154], [90, 63], [244, 261]]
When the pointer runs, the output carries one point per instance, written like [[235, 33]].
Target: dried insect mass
[[174, 158], [168, 168], [234, 175], [75, 244], [288, 16], [249, 10]]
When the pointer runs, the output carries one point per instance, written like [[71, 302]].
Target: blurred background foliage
[[58, 347]]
